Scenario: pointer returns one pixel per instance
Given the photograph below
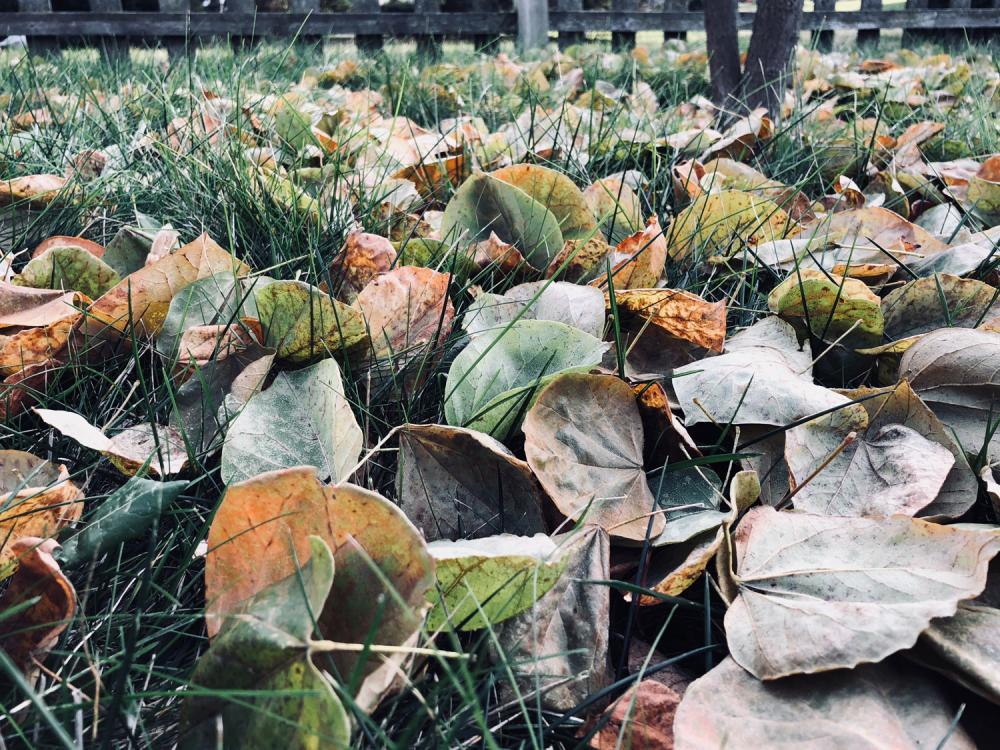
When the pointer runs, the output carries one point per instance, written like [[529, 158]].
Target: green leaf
[[302, 323], [484, 581], [302, 419], [830, 306], [493, 381], [214, 300], [126, 514], [128, 250], [557, 193], [266, 649], [484, 204], [71, 268]]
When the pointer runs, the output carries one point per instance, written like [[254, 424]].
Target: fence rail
[[532, 23]]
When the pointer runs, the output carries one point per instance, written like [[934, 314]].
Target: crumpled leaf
[[573, 304], [830, 307], [303, 418], [303, 324], [266, 648], [407, 310], [939, 301], [23, 307], [564, 634], [455, 483], [557, 193], [383, 568], [579, 260], [482, 582], [484, 205], [126, 514], [871, 707], [846, 468], [722, 223], [129, 450], [143, 297], [363, 257], [638, 260], [36, 500], [955, 372], [28, 635], [493, 380], [36, 346], [837, 592], [763, 378], [584, 441], [677, 565], [71, 268]]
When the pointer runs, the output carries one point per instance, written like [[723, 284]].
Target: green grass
[[117, 675]]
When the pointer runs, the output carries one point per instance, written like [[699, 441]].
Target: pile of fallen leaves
[[829, 468]]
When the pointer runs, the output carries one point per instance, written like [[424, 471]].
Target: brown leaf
[[407, 309], [639, 259], [143, 297], [455, 483], [31, 633], [37, 190], [200, 345], [25, 307], [36, 500], [642, 719], [584, 441], [35, 346], [579, 259], [363, 257], [435, 177], [17, 391]]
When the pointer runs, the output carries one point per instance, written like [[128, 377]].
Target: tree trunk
[[723, 48], [775, 33]]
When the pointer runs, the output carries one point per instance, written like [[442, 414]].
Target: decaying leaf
[[763, 378], [638, 260], [303, 324], [29, 634], [303, 418], [69, 268], [560, 644], [721, 223], [557, 193], [641, 719], [616, 207], [830, 307], [871, 707], [837, 592], [36, 346], [584, 441], [24, 307], [363, 257], [455, 483], [37, 499], [407, 309], [938, 301], [143, 297]]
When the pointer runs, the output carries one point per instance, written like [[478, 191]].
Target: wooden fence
[[113, 24]]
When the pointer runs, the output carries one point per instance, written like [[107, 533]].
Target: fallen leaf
[[584, 441], [579, 260], [36, 346], [24, 307], [939, 301], [455, 483], [560, 645], [32, 631], [218, 299], [763, 378], [557, 193], [266, 648], [36, 500], [303, 324], [641, 719], [964, 647], [840, 466], [844, 591], [303, 418], [63, 241], [616, 207], [832, 308], [143, 297], [407, 310], [868, 708], [484, 205], [578, 306], [361, 260], [35, 191], [638, 260], [494, 379], [68, 268], [482, 582], [722, 223]]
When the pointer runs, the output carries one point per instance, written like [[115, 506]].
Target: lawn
[[403, 403]]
